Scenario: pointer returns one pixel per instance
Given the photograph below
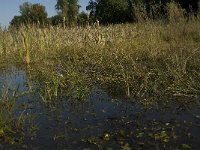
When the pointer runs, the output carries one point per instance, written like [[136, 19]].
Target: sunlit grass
[[150, 62], [146, 60]]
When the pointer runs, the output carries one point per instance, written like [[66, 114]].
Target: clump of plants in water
[[152, 62], [56, 84], [12, 127], [148, 60]]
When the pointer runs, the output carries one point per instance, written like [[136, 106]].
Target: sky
[[10, 8]]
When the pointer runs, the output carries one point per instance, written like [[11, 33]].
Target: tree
[[56, 20], [24, 9], [110, 11], [30, 14], [38, 14], [73, 11], [92, 10], [92, 6], [62, 8], [68, 10], [17, 21], [119, 11], [189, 5], [82, 19]]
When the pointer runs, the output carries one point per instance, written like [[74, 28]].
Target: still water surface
[[101, 121]]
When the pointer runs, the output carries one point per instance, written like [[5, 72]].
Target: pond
[[101, 121]]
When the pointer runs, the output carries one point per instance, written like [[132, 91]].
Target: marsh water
[[101, 121]]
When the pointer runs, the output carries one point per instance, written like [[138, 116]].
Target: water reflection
[[100, 121], [12, 77]]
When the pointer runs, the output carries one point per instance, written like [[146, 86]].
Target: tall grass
[[147, 60]]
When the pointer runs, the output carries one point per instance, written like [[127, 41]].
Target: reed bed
[[151, 62], [145, 60]]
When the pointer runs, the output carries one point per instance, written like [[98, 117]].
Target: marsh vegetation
[[126, 86]]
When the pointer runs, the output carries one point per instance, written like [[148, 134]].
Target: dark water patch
[[77, 123], [100, 122]]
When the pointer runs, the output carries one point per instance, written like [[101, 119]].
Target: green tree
[[157, 8], [73, 11], [17, 21], [38, 14], [68, 10], [82, 19], [110, 11], [119, 11], [30, 14], [92, 9], [189, 5], [62, 8], [56, 20], [25, 11]]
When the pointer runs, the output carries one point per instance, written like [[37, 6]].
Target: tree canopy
[[106, 11], [119, 11], [30, 14], [68, 10]]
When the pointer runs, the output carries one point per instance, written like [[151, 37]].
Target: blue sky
[[10, 8]]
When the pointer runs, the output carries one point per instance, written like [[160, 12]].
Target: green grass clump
[[11, 127], [15, 122]]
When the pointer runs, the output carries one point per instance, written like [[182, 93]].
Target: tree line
[[67, 14], [120, 11], [105, 11]]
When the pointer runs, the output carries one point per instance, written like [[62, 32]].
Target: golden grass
[[145, 59]]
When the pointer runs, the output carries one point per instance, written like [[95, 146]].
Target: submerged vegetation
[[153, 63]]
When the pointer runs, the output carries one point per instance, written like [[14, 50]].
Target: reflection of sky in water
[[13, 78]]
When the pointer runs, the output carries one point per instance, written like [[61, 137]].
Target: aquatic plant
[[11, 126], [147, 61], [154, 63]]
